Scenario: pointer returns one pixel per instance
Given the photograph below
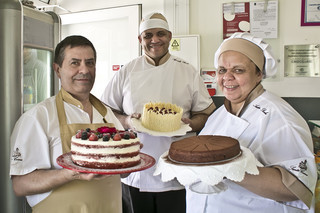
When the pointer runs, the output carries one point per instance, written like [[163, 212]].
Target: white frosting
[[100, 142], [106, 159], [158, 120], [105, 148]]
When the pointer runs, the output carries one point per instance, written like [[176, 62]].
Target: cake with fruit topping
[[161, 117], [204, 149], [105, 148]]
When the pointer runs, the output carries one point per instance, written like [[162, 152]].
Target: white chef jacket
[[138, 83], [35, 140], [277, 135]]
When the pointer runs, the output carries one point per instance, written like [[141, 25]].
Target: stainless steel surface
[[10, 94], [41, 32], [56, 40]]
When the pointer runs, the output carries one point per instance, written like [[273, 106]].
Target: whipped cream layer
[[108, 159], [162, 117], [104, 147]]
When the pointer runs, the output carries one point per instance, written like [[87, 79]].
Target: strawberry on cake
[[105, 148]]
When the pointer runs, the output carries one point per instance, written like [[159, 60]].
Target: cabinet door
[[113, 32]]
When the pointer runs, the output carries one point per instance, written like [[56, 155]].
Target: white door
[[113, 32]]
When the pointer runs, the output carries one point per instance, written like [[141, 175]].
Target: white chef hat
[[153, 20], [254, 48]]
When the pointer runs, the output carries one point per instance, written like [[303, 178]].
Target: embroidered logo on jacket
[[16, 155], [302, 167], [180, 61], [264, 110]]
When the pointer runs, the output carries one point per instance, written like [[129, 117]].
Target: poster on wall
[[264, 19], [236, 18], [310, 13], [257, 18]]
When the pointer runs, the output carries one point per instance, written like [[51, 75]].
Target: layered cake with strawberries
[[105, 148], [204, 149], [161, 117]]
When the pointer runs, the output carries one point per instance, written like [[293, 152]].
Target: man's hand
[[136, 115], [196, 122], [186, 120], [88, 176], [126, 119]]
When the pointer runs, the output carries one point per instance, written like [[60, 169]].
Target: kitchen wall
[[206, 20], [303, 93]]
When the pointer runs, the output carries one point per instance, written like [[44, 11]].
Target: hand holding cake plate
[[161, 119], [66, 162], [140, 128]]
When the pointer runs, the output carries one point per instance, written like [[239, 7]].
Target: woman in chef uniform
[[276, 134], [44, 132]]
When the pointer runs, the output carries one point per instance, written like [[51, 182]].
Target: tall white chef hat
[[153, 20], [254, 48]]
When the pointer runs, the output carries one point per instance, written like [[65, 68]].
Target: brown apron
[[95, 196]]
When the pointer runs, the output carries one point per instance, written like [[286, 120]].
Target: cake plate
[[65, 161], [140, 128], [208, 179]]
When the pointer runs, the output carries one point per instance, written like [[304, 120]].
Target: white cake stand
[[208, 178]]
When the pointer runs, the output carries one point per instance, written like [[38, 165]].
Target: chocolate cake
[[204, 149]]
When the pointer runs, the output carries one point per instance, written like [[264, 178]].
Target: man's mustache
[[82, 77]]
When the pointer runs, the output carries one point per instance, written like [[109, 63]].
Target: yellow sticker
[[175, 44]]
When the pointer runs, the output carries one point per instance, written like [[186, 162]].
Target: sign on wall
[[302, 60], [257, 18]]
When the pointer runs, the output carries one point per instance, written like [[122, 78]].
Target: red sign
[[115, 67], [236, 21], [209, 79]]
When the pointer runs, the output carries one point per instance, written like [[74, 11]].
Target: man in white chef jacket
[[44, 132], [157, 76], [263, 122]]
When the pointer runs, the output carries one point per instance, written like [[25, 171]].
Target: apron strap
[[67, 130], [101, 108], [98, 196], [60, 109]]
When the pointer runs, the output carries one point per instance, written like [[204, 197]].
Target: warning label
[[175, 44]]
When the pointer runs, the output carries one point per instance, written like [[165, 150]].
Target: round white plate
[[140, 128]]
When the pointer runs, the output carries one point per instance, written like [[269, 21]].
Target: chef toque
[[153, 20], [254, 48]]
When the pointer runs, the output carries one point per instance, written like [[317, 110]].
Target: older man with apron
[[43, 133]]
